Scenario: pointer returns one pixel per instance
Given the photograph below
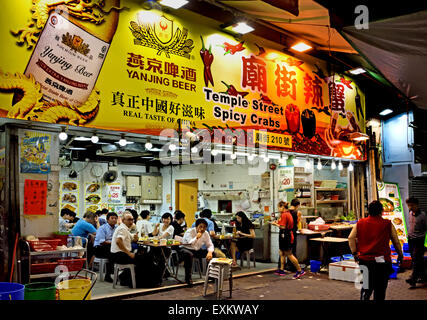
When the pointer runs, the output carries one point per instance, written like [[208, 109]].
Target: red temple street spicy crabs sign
[[145, 71]]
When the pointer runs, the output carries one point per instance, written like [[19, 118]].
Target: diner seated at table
[[165, 229], [121, 247], [179, 218], [103, 216], [85, 228], [206, 214], [246, 234], [64, 220], [194, 239], [73, 218], [102, 245], [144, 226]]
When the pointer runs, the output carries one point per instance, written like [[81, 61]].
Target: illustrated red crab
[[340, 139]]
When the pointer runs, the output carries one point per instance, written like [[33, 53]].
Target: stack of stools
[[219, 272]]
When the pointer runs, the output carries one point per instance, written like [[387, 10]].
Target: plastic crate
[[405, 247], [336, 259], [44, 244], [46, 267], [73, 264], [406, 263], [62, 237]]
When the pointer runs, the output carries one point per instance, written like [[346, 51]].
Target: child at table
[[286, 238]]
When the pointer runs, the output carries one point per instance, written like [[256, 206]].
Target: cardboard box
[[346, 270]]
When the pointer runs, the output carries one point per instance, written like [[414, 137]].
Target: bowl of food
[[397, 221], [388, 205]]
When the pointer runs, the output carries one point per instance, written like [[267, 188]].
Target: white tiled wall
[[210, 177], [85, 176]]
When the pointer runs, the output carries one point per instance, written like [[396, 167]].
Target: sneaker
[[277, 271], [299, 274], [282, 273]]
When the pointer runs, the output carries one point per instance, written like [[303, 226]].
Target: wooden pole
[[362, 191]]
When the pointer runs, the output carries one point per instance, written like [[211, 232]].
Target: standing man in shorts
[[286, 238]]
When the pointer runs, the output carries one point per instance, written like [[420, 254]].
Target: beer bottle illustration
[[71, 50]]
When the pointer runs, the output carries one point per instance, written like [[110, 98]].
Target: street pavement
[[268, 286]]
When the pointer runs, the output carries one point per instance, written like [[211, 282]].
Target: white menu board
[[389, 196]]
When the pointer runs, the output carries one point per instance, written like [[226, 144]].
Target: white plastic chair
[[248, 254], [118, 267]]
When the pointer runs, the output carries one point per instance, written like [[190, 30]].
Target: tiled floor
[[105, 289]]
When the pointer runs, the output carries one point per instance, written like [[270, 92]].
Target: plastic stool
[[196, 266], [102, 262], [219, 272], [171, 261], [200, 268], [248, 254], [118, 267]]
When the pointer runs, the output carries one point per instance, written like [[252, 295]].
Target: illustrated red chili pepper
[[232, 91], [207, 58], [292, 118], [232, 49]]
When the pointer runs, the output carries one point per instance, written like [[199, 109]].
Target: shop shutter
[[418, 189]]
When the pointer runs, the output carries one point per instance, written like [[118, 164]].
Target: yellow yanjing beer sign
[[144, 71]]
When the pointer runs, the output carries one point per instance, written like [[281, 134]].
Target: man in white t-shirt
[[121, 244], [121, 247], [194, 239], [144, 226]]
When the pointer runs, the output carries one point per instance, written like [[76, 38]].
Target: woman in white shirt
[[164, 230]]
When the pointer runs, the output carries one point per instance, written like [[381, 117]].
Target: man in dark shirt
[[179, 218], [416, 234]]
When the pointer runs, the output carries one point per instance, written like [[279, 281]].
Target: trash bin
[[74, 289], [11, 291], [315, 265], [40, 291]]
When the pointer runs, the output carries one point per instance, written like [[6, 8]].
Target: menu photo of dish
[[93, 196], [70, 198], [92, 208], [69, 195], [67, 186], [69, 206]]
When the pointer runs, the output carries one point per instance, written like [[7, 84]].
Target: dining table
[[165, 253], [326, 243]]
